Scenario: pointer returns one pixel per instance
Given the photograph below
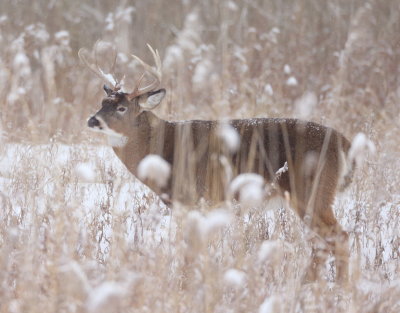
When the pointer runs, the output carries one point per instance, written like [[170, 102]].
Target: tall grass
[[79, 234]]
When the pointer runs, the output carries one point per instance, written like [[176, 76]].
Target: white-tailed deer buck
[[316, 155]]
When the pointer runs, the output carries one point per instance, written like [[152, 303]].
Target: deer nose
[[93, 122]]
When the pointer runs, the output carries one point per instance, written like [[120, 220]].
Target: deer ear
[[152, 99]]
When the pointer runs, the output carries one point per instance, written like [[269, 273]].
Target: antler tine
[[108, 78], [114, 60], [156, 73], [157, 60]]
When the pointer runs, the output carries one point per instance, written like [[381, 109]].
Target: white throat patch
[[118, 141], [115, 139]]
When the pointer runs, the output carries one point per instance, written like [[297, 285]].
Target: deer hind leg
[[336, 241], [324, 223]]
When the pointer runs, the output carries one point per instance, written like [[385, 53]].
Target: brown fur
[[194, 149]]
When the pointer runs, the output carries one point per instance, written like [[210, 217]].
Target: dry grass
[[73, 243]]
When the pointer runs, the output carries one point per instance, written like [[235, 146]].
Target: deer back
[[202, 166]]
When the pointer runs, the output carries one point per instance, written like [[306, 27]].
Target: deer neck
[[141, 142]]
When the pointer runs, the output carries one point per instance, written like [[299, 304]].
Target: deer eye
[[121, 109]]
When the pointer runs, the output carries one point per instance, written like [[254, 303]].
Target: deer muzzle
[[93, 122]]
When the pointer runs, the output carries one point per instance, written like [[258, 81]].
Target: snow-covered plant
[[206, 225], [154, 168], [248, 188], [85, 171], [229, 137], [360, 147], [235, 278], [270, 305]]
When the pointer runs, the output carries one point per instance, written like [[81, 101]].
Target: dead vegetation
[[78, 234]]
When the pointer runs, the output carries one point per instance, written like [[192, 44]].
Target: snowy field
[[78, 233], [75, 217], [88, 177]]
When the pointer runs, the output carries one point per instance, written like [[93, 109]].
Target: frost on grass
[[173, 54], [216, 220], [234, 278], [229, 137], [270, 305], [360, 147], [292, 81], [248, 188], [38, 33], [154, 168], [282, 170], [269, 90], [85, 171], [77, 279], [20, 81], [306, 104], [187, 42], [105, 297], [21, 63], [62, 37], [206, 225], [121, 15], [202, 73], [269, 251]]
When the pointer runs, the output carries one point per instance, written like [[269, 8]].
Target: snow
[[282, 170], [287, 69], [268, 251], [15, 306], [202, 73], [360, 147], [173, 55], [270, 305], [38, 32], [292, 81], [85, 172], [276, 30], [229, 136], [234, 277], [154, 168], [212, 222], [21, 60], [232, 6], [73, 268], [249, 188], [62, 37], [216, 220], [21, 66], [108, 77], [124, 14], [251, 195], [306, 104], [93, 178], [110, 25], [269, 90], [105, 297], [3, 18]]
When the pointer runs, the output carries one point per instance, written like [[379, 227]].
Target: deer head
[[120, 111]]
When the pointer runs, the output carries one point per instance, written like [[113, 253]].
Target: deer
[[316, 156]]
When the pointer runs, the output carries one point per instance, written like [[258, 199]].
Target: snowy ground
[[87, 177], [92, 176], [53, 181]]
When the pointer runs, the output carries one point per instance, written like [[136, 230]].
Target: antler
[[156, 73], [108, 78]]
